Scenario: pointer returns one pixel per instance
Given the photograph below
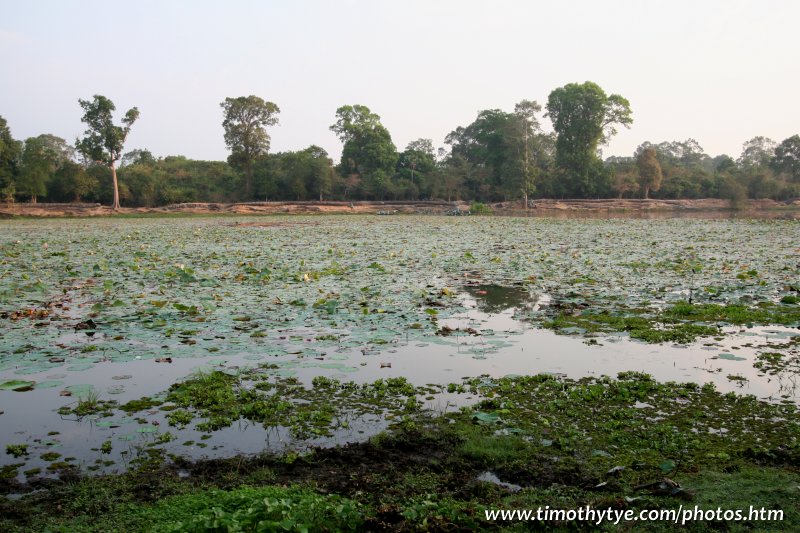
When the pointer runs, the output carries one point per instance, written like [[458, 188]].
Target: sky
[[718, 71]]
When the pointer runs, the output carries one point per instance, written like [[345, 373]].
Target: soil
[[538, 207]]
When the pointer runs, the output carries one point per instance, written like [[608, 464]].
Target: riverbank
[[539, 207]]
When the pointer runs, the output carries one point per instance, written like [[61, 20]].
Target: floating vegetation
[[17, 385], [134, 306], [216, 400], [634, 421]]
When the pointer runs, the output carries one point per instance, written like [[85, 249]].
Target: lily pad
[[48, 384], [486, 418], [17, 385], [730, 357]]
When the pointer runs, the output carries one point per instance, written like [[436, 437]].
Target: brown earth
[[538, 208]]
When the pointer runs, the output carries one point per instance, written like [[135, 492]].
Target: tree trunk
[[647, 193], [116, 186]]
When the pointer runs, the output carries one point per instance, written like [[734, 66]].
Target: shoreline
[[546, 207]]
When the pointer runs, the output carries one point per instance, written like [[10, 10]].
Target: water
[[341, 298], [487, 338]]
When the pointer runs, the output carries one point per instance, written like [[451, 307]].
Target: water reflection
[[491, 299], [483, 337]]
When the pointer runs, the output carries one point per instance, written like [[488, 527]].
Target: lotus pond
[[212, 337]]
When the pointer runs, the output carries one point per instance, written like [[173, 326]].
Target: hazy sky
[[720, 71]]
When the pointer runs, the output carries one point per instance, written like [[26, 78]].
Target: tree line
[[500, 156]]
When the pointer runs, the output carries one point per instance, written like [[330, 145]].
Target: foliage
[[103, 141], [416, 167], [500, 156], [17, 450], [479, 208], [245, 121], [71, 182], [41, 157], [368, 150], [549, 441], [649, 171], [583, 118], [10, 151], [502, 152], [269, 509], [787, 158]]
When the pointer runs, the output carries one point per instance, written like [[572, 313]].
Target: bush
[[479, 208]]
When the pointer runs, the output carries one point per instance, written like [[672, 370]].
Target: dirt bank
[[543, 207]]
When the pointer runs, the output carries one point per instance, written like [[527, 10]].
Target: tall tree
[[103, 141], [584, 117], [368, 150], [528, 125], [787, 158], [245, 121], [649, 171], [10, 151]]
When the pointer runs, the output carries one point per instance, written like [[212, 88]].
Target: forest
[[503, 155]]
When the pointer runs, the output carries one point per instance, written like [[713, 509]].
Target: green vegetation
[[245, 135], [479, 208], [597, 441], [500, 156], [103, 141], [220, 399], [583, 118], [17, 450], [323, 299], [681, 322], [764, 313]]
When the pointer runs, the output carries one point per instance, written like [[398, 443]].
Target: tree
[[584, 117], [506, 151], [649, 171], [71, 183], [757, 153], [34, 172], [322, 176], [103, 141], [137, 157], [787, 158], [302, 175], [245, 121], [41, 157], [526, 122], [10, 152], [415, 164], [368, 150]]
